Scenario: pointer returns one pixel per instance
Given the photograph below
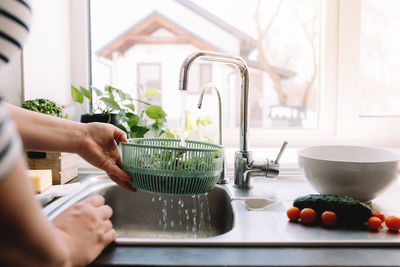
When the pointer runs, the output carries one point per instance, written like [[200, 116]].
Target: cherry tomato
[[374, 223], [380, 215], [393, 223], [308, 216], [293, 214], [329, 218]]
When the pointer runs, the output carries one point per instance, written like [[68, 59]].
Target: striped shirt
[[10, 142], [15, 18]]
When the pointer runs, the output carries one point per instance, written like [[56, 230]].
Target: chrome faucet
[[222, 178], [245, 166]]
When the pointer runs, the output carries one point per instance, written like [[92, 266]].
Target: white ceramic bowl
[[359, 172]]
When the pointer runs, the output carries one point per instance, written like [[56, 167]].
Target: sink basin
[[146, 215], [149, 215]]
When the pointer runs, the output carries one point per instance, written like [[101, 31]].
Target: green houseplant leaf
[[133, 119], [85, 92], [98, 91], [155, 112], [110, 103], [131, 107], [138, 131], [152, 92], [77, 95]]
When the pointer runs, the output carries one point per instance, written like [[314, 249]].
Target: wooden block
[[64, 166]]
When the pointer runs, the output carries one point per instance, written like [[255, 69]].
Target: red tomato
[[329, 218], [293, 214], [374, 223], [380, 215], [393, 223], [308, 216]]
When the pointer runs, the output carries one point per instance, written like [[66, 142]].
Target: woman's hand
[[84, 230], [99, 148]]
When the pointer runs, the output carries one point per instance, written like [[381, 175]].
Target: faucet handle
[[273, 166], [283, 147]]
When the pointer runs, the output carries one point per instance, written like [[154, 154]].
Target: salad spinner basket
[[161, 165]]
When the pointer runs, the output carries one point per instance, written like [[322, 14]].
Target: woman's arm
[[75, 237], [41, 132], [94, 142]]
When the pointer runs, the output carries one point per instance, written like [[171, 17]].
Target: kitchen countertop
[[145, 255]]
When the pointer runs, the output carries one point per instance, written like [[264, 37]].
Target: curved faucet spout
[[203, 91], [222, 179], [244, 88]]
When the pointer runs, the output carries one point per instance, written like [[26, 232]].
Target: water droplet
[[159, 198], [152, 199]]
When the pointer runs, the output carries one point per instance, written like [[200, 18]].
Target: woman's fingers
[[109, 236], [122, 183], [107, 226], [119, 135], [95, 200], [105, 212], [115, 171]]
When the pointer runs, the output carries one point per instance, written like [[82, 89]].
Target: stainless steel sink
[[226, 216], [149, 215], [146, 215]]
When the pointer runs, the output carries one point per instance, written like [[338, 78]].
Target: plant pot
[[106, 118]]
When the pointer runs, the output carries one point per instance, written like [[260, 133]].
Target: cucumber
[[348, 210]]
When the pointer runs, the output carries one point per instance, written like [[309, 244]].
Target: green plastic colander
[[161, 165]]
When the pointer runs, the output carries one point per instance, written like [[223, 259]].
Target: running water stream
[[188, 215], [192, 219], [183, 117]]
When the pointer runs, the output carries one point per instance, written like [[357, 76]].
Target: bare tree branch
[[310, 36], [262, 34]]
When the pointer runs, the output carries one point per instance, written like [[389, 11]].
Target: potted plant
[[64, 166], [112, 105], [44, 106]]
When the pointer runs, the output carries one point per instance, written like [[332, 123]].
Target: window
[[200, 74], [379, 58], [280, 46], [149, 75], [367, 89], [318, 68]]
